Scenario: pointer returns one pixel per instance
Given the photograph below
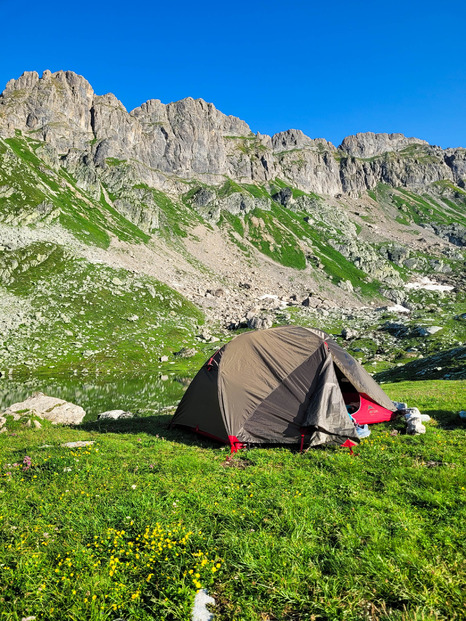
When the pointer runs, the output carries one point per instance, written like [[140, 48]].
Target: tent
[[285, 385]]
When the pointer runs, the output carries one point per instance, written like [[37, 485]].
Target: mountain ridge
[[190, 138]]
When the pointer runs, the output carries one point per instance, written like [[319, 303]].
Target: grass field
[[133, 525]]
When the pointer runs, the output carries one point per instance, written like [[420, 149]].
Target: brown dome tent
[[285, 385]]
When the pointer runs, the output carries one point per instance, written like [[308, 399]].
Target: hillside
[[129, 235]]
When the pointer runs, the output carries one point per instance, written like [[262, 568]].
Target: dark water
[[142, 395]]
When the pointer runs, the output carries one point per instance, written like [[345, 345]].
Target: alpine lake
[[143, 395]]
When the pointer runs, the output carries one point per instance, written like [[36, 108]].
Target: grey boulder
[[57, 411], [114, 415]]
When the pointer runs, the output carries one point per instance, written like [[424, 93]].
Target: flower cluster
[[158, 568], [160, 557]]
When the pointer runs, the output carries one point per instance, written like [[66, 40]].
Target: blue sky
[[328, 68]]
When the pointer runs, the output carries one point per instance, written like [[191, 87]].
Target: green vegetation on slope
[[82, 315], [38, 193], [287, 236], [432, 208]]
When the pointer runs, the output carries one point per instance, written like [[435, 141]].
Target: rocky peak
[[27, 80], [296, 139], [30, 80], [368, 144], [55, 106]]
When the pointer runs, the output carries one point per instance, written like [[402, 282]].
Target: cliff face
[[191, 139]]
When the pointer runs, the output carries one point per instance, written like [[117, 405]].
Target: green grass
[[420, 153], [426, 209], [444, 363], [271, 235], [114, 161], [175, 218], [448, 185], [92, 317], [235, 222], [229, 187], [322, 535]]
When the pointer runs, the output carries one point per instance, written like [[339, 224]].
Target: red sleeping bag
[[368, 411]]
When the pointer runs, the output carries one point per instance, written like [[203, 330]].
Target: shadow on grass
[[159, 426], [446, 419], [156, 425]]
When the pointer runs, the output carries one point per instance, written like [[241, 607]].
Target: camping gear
[[363, 431], [285, 385]]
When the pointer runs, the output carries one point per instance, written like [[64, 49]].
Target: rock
[[133, 318], [260, 323], [193, 140], [114, 415], [439, 266], [395, 253], [163, 358], [419, 331], [396, 329], [415, 427], [433, 329], [455, 233], [284, 196], [349, 334], [368, 144], [312, 301], [200, 611], [203, 197], [413, 263], [414, 413], [185, 352], [55, 410], [78, 444], [425, 331]]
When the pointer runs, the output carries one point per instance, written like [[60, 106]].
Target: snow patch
[[398, 308], [428, 285]]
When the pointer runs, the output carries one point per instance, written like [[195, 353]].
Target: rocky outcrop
[[208, 204], [417, 169], [191, 139], [54, 410], [368, 144]]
